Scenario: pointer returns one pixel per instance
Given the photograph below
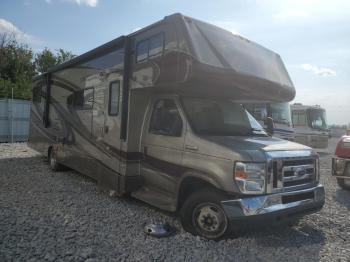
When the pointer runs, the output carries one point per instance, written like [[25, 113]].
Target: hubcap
[[210, 220]]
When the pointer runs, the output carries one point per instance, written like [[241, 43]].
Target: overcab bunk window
[[114, 93], [150, 47], [142, 51], [156, 45]]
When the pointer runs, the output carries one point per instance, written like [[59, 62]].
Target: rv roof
[[300, 106]]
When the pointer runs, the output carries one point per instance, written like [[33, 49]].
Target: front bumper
[[339, 167], [279, 205]]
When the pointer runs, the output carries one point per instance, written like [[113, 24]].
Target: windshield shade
[[317, 118], [221, 48], [220, 118]]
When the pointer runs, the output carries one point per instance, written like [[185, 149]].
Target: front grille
[[287, 173]]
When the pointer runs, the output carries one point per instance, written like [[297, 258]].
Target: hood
[[256, 144]]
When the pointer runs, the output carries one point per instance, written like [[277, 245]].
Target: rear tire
[[203, 215], [344, 183], [54, 165]]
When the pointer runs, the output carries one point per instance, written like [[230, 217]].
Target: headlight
[[250, 177]]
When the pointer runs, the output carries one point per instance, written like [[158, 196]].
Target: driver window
[[165, 119]]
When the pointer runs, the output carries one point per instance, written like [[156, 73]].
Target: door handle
[[193, 148]]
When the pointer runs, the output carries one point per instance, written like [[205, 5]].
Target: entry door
[[162, 144], [106, 122], [112, 119]]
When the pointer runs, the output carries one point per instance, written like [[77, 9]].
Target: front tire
[[203, 215]]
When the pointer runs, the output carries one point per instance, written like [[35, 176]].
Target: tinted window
[[113, 59], [142, 51], [114, 92], [156, 45], [165, 119], [83, 99]]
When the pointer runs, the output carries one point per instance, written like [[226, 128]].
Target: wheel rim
[[209, 220]]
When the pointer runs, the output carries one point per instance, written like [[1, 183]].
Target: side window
[[142, 51], [156, 45], [114, 93], [84, 99], [165, 119]]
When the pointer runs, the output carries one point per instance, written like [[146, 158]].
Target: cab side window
[[165, 119]]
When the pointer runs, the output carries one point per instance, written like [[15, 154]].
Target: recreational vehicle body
[[280, 114], [310, 125], [157, 114]]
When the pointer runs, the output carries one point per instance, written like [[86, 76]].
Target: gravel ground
[[63, 216]]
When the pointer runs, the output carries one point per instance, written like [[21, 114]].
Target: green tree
[[47, 59], [16, 67], [44, 60], [63, 56]]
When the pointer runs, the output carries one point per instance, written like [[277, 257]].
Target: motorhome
[[157, 115], [279, 113], [310, 125]]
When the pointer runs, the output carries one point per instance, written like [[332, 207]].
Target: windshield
[[220, 118], [317, 118], [280, 113]]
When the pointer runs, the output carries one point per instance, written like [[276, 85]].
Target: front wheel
[[203, 215]]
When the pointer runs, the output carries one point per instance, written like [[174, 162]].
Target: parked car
[[341, 162]]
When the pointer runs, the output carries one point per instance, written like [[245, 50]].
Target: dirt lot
[[64, 217]]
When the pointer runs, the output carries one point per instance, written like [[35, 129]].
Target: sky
[[312, 36]]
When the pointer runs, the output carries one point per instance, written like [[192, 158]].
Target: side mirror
[[269, 125]]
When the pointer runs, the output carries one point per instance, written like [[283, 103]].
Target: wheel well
[[190, 185]]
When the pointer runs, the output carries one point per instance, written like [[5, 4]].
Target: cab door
[[162, 144]]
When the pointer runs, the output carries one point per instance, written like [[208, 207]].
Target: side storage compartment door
[[162, 145]]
